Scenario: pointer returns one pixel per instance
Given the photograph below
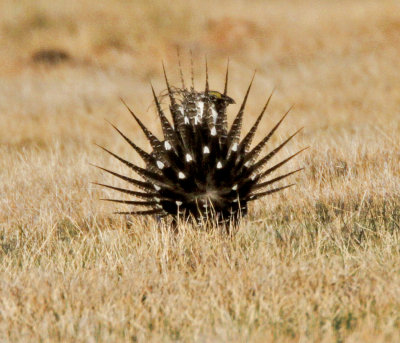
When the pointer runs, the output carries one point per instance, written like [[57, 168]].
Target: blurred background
[[312, 262], [64, 64]]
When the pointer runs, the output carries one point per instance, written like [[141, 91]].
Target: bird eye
[[215, 94]]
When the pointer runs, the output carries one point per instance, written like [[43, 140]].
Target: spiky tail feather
[[200, 169]]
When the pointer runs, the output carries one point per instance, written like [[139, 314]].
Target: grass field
[[319, 262]]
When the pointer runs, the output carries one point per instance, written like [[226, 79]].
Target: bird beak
[[229, 100]]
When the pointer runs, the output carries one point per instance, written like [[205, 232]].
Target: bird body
[[200, 169]]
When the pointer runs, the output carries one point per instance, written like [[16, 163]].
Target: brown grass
[[316, 263]]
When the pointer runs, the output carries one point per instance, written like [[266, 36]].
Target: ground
[[318, 262]]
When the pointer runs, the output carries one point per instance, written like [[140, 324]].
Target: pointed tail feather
[[246, 142], [141, 213], [192, 69], [278, 165], [265, 159], [279, 178], [132, 202], [207, 87], [234, 132], [141, 184], [255, 152], [150, 160], [154, 141], [222, 121], [226, 78], [170, 92], [177, 116], [141, 171], [168, 131], [180, 69], [128, 191], [263, 194]]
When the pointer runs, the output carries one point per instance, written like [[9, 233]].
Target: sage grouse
[[200, 169]]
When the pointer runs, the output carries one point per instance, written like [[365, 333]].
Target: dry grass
[[317, 263]]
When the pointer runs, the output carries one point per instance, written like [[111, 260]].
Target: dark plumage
[[200, 168]]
